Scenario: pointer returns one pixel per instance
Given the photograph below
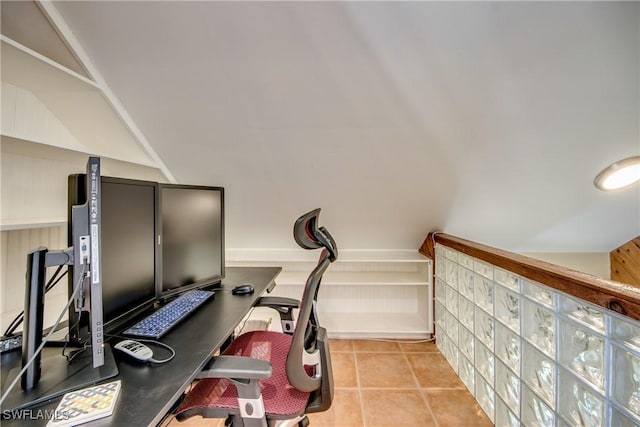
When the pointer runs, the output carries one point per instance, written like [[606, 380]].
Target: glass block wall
[[531, 355]]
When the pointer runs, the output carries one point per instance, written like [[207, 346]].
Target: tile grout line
[[355, 362], [422, 394]]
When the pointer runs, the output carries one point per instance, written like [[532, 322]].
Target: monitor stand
[[59, 377]]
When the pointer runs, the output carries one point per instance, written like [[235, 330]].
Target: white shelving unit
[[364, 294], [34, 182], [47, 103], [52, 119]]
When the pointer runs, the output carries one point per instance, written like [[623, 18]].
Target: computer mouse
[[135, 350], [244, 289]]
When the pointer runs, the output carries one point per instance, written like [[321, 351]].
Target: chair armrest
[[284, 307], [277, 302], [236, 367], [245, 373]]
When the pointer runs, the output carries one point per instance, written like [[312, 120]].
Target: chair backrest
[[309, 236], [309, 345]]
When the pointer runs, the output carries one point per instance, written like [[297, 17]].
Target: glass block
[[507, 279], [507, 347], [452, 299], [465, 282], [485, 362], [508, 387], [440, 249], [578, 404], [539, 327], [466, 312], [451, 254], [452, 274], [441, 338], [444, 346], [583, 312], [507, 308], [483, 269], [451, 354], [465, 342], [467, 372], [484, 293], [451, 327], [625, 331], [626, 380], [504, 417], [441, 268], [440, 313], [465, 261], [618, 419], [538, 293], [582, 352], [441, 291], [535, 413], [483, 327], [485, 396], [562, 423], [539, 373]]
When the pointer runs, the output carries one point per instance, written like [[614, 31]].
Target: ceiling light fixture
[[619, 174]]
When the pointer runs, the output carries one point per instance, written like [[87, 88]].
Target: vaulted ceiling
[[488, 120]]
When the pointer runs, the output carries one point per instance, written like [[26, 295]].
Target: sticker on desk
[[88, 404]]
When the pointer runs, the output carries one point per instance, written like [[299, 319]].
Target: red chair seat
[[280, 398]]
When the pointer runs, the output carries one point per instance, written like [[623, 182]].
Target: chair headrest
[[309, 236]]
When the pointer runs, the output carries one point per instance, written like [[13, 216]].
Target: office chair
[[264, 377]]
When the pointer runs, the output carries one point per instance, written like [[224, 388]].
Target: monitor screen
[[128, 246], [192, 236]]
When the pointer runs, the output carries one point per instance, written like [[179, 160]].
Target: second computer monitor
[[192, 237]]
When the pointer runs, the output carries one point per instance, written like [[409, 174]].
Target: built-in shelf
[[34, 182], [369, 325], [345, 255], [47, 103], [356, 278], [8, 225], [365, 293], [52, 120]]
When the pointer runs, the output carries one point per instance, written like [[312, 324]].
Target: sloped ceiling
[[486, 120]]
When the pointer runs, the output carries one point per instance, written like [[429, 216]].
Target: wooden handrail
[[616, 296]]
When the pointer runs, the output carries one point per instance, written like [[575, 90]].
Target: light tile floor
[[390, 384]]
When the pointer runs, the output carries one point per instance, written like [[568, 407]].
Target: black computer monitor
[[192, 237], [129, 245]]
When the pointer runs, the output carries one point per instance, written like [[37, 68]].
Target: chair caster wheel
[[303, 422]]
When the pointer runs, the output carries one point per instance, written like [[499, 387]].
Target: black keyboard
[[10, 343], [161, 321]]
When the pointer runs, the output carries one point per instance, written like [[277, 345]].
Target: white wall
[[15, 246], [596, 263]]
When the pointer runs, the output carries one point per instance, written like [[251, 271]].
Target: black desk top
[[149, 391]]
